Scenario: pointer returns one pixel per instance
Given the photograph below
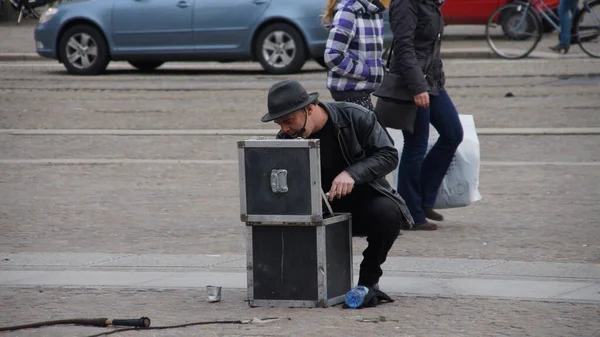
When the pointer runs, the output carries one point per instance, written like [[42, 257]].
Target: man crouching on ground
[[356, 155]]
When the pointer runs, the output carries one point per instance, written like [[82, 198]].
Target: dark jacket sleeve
[[380, 158], [403, 21]]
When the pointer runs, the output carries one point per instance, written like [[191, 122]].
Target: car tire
[[547, 28], [280, 49], [89, 61], [146, 66], [386, 54], [321, 62]]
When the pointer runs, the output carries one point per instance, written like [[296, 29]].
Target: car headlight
[[48, 14]]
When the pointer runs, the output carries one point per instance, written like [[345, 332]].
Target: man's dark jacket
[[417, 25], [368, 149]]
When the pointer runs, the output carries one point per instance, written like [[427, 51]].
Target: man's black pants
[[379, 219]]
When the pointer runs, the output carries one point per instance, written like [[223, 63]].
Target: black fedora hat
[[286, 97]]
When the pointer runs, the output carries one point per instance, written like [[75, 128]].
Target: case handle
[[279, 181]]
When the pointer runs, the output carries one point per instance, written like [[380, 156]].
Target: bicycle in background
[[515, 29], [30, 8]]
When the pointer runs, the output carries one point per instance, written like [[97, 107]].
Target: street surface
[[144, 166]]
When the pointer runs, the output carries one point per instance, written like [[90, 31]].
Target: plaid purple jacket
[[355, 46]]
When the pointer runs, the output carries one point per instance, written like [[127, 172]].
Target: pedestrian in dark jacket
[[356, 155], [418, 26], [354, 49]]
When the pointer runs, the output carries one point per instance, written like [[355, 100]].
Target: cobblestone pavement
[[177, 208], [62, 193], [564, 93], [531, 210]]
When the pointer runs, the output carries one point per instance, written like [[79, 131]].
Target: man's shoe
[[433, 215], [427, 226]]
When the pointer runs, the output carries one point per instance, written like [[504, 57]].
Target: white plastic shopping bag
[[460, 186]]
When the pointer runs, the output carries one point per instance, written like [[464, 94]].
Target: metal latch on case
[[279, 181]]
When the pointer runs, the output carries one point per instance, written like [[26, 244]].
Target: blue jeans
[[420, 175], [567, 9]]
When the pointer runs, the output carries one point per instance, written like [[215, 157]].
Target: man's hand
[[422, 99], [341, 186]]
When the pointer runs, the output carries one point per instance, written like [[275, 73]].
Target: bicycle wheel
[[513, 30], [588, 29]]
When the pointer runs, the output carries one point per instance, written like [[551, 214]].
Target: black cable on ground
[[171, 326], [143, 322], [137, 324], [78, 321]]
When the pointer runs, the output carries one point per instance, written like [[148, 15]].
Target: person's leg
[[566, 11], [379, 219], [444, 118], [574, 12], [564, 17], [409, 171]]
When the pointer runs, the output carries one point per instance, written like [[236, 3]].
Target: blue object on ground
[[356, 296]]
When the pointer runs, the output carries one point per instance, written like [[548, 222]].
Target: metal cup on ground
[[213, 293]]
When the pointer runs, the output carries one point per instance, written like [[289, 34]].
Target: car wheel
[[146, 66], [321, 62], [386, 53], [83, 50], [280, 49], [547, 27]]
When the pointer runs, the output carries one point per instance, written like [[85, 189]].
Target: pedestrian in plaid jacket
[[354, 49]]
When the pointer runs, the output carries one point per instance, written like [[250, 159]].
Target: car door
[[225, 25], [468, 12], [153, 26]]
